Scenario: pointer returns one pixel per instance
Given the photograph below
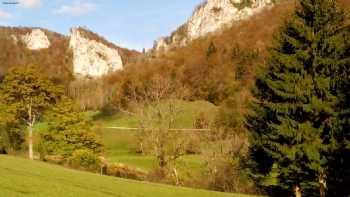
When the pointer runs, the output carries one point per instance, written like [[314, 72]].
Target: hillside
[[56, 53], [56, 60], [177, 113], [227, 60], [210, 17], [127, 55], [21, 177]]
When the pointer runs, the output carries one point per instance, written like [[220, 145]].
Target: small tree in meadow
[[27, 94], [69, 132]]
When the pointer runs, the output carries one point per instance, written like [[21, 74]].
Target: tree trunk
[[297, 191], [323, 184], [30, 142], [177, 180]]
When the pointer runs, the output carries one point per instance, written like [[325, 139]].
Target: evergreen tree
[[294, 113], [27, 94], [338, 176]]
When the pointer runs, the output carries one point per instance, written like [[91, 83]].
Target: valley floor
[[21, 177]]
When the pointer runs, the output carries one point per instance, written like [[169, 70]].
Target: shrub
[[55, 159], [11, 135], [202, 121], [192, 143], [69, 130], [227, 175], [84, 158], [123, 171]]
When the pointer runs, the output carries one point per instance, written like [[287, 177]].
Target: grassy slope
[[119, 148], [119, 143], [188, 112], [20, 177]]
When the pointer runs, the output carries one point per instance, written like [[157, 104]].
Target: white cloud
[[5, 15], [30, 4], [77, 8]]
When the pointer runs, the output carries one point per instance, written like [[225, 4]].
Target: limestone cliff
[[212, 16], [35, 40], [92, 58]]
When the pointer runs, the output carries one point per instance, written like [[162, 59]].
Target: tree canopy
[[294, 114], [27, 94]]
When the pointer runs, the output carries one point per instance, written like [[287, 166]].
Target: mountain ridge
[[40, 40], [209, 17]]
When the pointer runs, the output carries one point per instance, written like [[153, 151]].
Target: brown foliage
[[209, 67], [56, 61], [123, 171]]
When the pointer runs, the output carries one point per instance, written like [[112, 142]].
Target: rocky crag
[[209, 17]]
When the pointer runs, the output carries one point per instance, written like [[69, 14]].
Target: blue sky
[[128, 23]]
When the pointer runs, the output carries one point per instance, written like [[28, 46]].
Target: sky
[[133, 24]]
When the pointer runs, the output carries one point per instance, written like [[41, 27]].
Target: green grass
[[119, 148], [24, 178], [119, 144], [188, 112]]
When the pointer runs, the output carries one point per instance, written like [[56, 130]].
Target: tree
[[338, 176], [294, 111], [28, 93], [157, 112], [11, 135], [69, 131]]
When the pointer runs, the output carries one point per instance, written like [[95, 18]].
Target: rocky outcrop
[[35, 40], [161, 44], [92, 58], [211, 16]]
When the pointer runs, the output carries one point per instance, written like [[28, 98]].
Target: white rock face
[[36, 40], [212, 16], [161, 44], [216, 14], [91, 58]]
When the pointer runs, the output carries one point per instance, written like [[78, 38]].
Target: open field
[[20, 177], [119, 147], [120, 144], [188, 112]]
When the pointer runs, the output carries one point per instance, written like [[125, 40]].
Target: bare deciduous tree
[[157, 110]]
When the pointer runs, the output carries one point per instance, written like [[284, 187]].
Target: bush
[[11, 135], [85, 159], [225, 174], [2, 146], [55, 159], [68, 130], [123, 171], [192, 143], [202, 121]]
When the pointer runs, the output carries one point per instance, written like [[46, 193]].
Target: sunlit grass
[[24, 178]]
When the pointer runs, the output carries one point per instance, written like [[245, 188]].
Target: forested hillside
[[211, 67], [259, 106], [56, 60]]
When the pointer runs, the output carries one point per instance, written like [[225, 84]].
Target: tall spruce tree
[[293, 116], [338, 176]]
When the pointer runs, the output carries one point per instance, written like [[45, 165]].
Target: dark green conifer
[[294, 114]]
